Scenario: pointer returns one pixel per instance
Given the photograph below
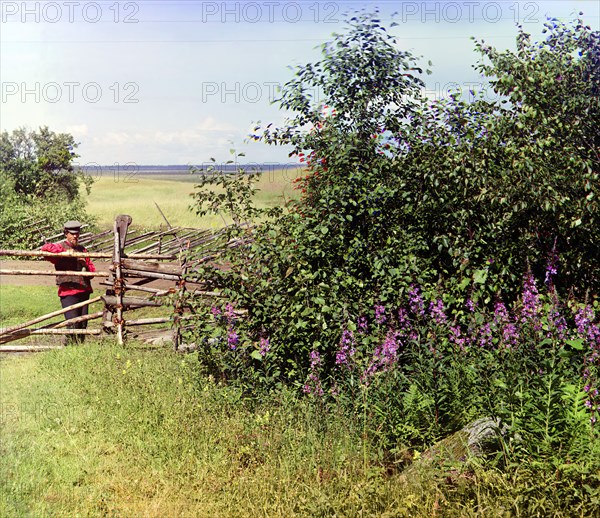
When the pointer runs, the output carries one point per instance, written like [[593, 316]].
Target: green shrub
[[392, 292], [39, 186], [456, 197]]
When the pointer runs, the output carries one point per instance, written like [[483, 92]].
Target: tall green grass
[[136, 195], [100, 430]]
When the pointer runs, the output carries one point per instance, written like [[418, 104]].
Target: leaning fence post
[[118, 284]]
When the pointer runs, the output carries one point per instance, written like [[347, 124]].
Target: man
[[72, 289]]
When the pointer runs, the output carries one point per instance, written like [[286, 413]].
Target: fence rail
[[127, 272]]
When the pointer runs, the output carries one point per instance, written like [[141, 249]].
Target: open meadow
[[137, 195]]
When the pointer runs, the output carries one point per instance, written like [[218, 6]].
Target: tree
[[459, 198], [40, 163], [38, 182]]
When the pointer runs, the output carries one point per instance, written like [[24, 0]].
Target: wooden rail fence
[[126, 273]]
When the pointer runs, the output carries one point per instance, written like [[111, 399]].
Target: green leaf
[[575, 343], [256, 355], [480, 276]]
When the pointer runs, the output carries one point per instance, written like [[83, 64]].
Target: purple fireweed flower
[[385, 355], [470, 305], [531, 302], [403, 321], [265, 347], [315, 358], [456, 338], [500, 313], [232, 339], [504, 326], [557, 322], [404, 325], [216, 311], [584, 320], [389, 349], [228, 312], [380, 317], [313, 383], [437, 311], [550, 271], [346, 348], [510, 335], [415, 301], [485, 335], [551, 267], [363, 325]]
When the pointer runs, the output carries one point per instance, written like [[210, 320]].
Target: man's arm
[[53, 248], [89, 265]]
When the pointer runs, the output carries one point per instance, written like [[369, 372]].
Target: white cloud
[[77, 130]]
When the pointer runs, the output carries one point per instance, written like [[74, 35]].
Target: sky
[[183, 81]]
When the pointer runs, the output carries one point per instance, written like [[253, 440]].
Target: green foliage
[[410, 210], [451, 196], [20, 219], [229, 194], [39, 163], [38, 185]]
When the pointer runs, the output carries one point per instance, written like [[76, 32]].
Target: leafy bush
[[17, 214], [38, 186], [39, 163], [455, 197]]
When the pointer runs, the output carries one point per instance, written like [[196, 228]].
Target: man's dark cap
[[72, 226]]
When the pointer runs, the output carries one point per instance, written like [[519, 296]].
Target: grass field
[[137, 195], [16, 308], [100, 430]]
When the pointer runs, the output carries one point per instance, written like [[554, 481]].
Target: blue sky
[[176, 82]]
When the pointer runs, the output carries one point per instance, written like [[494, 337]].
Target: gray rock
[[483, 435]]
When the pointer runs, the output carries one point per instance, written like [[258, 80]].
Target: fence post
[[118, 284], [178, 307]]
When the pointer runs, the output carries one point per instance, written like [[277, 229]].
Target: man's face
[[72, 237]]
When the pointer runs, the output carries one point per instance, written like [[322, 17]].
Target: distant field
[[137, 194]]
